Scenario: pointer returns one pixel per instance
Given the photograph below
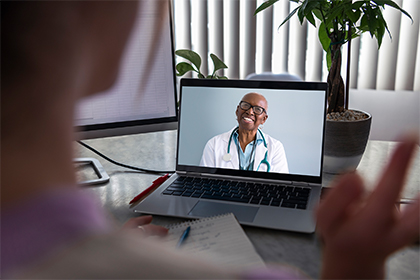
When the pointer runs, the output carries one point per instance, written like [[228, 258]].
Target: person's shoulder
[[124, 255], [271, 139], [224, 135]]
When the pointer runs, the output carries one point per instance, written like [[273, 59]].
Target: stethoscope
[[227, 157]]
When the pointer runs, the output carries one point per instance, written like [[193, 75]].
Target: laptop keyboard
[[252, 193]]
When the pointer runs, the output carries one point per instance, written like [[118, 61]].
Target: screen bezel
[[120, 128], [185, 82]]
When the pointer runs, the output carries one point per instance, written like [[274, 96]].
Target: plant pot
[[345, 143]]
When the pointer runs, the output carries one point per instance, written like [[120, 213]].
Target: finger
[[138, 221], [333, 208], [390, 185], [143, 220], [154, 230], [407, 229]]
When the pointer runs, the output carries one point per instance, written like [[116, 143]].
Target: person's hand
[[143, 226], [360, 232]]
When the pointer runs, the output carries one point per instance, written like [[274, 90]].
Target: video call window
[[295, 118]]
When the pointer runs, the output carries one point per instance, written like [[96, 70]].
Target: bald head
[[256, 98]]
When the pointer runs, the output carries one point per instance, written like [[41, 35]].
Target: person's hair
[[16, 19], [22, 24]]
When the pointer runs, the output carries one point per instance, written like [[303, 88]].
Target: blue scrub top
[[245, 160]]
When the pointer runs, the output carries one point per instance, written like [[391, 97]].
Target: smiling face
[[248, 120]]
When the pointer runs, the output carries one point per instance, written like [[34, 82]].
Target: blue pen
[[183, 236]]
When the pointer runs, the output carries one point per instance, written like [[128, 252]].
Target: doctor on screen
[[246, 147]]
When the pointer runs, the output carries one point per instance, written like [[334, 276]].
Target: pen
[[156, 183], [183, 236]]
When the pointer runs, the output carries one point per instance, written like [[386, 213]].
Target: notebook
[[283, 185], [219, 239]]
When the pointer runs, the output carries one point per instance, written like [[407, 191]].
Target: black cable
[[122, 164]]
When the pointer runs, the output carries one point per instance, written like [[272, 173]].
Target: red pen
[[156, 183]]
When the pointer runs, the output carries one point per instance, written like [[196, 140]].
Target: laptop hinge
[[259, 180], [295, 183], [302, 184], [305, 184]]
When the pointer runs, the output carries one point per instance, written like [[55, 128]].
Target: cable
[[122, 164]]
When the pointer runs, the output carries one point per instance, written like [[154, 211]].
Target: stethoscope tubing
[[227, 157]]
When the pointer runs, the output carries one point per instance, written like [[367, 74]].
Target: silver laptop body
[[296, 113]]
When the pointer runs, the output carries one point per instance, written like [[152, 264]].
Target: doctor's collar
[[258, 138]]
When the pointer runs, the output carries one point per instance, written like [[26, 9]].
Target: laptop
[[281, 189]]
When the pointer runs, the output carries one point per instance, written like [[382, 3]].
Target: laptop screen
[[289, 146]]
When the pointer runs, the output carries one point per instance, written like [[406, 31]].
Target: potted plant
[[195, 64], [347, 131]]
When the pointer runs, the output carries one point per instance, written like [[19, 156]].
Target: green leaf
[[264, 6], [364, 23], [329, 60], [318, 14], [191, 56], [201, 76], [218, 64], [311, 19], [300, 14], [357, 5], [301, 11], [380, 30], [183, 67], [289, 16], [354, 32], [353, 15], [392, 4], [323, 37], [334, 14], [309, 8], [382, 20], [371, 20]]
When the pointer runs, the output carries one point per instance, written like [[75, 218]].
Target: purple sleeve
[[275, 272]]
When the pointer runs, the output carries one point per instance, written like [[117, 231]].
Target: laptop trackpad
[[207, 209]]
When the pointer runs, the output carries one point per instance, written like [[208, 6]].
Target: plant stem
[[347, 95]]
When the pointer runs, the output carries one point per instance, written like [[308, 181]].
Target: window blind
[[253, 44]]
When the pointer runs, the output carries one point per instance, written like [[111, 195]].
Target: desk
[[158, 151]]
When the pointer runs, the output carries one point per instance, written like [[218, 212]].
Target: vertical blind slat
[[407, 47], [231, 17], [417, 71], [387, 60], [248, 38], [368, 62], [314, 55], [182, 26], [297, 45], [354, 62], [199, 32], [216, 41], [280, 37], [267, 43]]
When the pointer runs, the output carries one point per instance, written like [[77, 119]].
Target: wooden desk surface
[[158, 151]]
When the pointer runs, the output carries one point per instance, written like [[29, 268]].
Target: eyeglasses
[[246, 106]]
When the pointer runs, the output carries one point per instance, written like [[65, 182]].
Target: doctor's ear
[[265, 118]]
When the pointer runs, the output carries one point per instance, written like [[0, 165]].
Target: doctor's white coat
[[216, 148]]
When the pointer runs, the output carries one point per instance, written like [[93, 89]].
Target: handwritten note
[[220, 238]]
